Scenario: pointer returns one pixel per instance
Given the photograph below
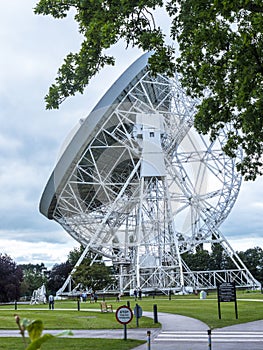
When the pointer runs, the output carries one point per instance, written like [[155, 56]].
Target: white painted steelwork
[[139, 186]]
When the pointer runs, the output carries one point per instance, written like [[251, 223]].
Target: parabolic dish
[[137, 174]]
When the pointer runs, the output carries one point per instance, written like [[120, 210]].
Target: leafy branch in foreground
[[220, 59], [103, 24], [34, 329]]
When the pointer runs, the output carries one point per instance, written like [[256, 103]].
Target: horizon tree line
[[20, 280]]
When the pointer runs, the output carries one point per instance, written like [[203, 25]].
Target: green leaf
[[35, 329], [63, 333], [36, 344]]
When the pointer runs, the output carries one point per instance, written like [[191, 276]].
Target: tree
[[57, 276], [221, 59], [95, 277], [253, 259], [92, 273], [34, 276], [59, 272], [103, 24], [74, 255], [199, 261], [220, 260], [203, 260], [11, 277]]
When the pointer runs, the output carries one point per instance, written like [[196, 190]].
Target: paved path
[[180, 333], [184, 333]]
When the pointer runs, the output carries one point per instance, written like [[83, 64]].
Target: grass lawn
[[67, 316], [207, 311], [74, 344], [70, 319], [249, 305]]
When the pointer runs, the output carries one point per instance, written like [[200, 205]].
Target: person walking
[[51, 302], [140, 294]]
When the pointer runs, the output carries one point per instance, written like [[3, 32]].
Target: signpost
[[226, 292], [124, 316], [137, 313]]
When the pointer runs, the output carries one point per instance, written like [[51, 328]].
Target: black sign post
[[226, 292]]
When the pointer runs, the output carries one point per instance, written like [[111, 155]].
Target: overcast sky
[[33, 48]]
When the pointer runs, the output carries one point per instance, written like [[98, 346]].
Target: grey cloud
[[246, 217]]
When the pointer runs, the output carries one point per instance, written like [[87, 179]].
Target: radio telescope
[[139, 186]]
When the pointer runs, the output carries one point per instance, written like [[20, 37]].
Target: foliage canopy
[[34, 276], [92, 273], [57, 276], [202, 260], [220, 60], [11, 277], [93, 277], [253, 259]]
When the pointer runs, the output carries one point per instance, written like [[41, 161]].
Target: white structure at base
[[39, 295]]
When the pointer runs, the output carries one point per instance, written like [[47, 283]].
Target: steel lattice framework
[[143, 187]]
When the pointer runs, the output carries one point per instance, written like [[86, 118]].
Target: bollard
[[78, 305], [155, 315], [148, 340], [209, 339], [128, 303], [15, 305]]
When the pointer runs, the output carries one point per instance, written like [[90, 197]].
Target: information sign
[[124, 314], [137, 311], [226, 292]]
